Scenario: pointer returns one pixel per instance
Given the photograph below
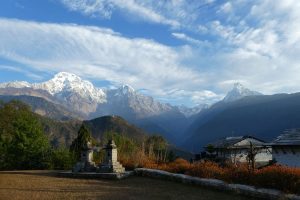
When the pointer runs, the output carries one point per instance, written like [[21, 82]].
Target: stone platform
[[94, 175]]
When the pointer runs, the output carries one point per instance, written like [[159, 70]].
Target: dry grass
[[45, 185]]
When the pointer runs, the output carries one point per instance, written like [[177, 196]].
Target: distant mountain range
[[263, 116], [81, 100], [242, 111]]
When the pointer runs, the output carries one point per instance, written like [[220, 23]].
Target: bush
[[236, 173], [179, 166], [138, 159], [206, 169], [276, 177], [62, 158], [283, 178]]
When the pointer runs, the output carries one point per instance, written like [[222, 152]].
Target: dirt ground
[[45, 185]]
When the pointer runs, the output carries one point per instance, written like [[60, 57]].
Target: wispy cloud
[[27, 73], [184, 37], [255, 42], [172, 13], [96, 53]]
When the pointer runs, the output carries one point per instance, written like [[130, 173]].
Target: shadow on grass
[[49, 173]]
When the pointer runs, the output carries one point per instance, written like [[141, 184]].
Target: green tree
[[23, 144], [62, 158], [126, 146], [79, 143]]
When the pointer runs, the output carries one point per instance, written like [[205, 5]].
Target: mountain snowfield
[[63, 82]]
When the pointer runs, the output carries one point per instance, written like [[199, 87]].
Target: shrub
[[276, 177], [178, 166], [62, 158], [237, 173], [206, 169], [283, 178]]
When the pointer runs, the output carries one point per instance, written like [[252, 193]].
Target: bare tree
[[251, 157]]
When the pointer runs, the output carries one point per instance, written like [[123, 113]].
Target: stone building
[[286, 148], [110, 163], [236, 149]]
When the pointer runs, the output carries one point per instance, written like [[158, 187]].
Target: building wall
[[285, 156], [264, 155]]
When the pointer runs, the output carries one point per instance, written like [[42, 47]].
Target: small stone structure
[[110, 163], [86, 163]]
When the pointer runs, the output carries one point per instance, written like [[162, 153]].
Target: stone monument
[[86, 163], [110, 163]]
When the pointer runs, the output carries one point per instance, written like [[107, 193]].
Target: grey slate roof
[[230, 141], [289, 137]]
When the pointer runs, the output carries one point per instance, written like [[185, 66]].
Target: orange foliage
[[280, 177], [178, 166], [206, 169]]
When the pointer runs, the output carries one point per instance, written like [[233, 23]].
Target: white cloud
[[175, 13], [27, 73], [226, 7], [253, 42], [194, 97], [96, 53], [184, 37]]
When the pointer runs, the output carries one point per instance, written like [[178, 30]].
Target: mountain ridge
[[263, 116], [88, 102]]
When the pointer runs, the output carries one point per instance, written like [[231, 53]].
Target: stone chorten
[[110, 163], [86, 163]]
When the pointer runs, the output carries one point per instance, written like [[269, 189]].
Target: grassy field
[[45, 185]]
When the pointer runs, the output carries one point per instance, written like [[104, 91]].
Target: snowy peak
[[15, 84], [67, 82], [238, 92], [188, 112], [63, 81], [126, 89]]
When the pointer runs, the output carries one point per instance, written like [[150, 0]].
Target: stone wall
[[261, 193]]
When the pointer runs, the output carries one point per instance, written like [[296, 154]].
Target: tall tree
[[79, 143], [23, 144]]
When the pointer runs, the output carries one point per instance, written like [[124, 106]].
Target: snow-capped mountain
[[81, 95], [78, 95], [188, 112], [238, 92], [64, 82], [15, 84]]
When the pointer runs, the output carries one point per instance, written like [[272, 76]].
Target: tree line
[[24, 145]]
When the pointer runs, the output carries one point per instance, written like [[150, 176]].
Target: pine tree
[[79, 143]]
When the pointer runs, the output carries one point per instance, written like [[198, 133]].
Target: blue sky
[[179, 51]]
